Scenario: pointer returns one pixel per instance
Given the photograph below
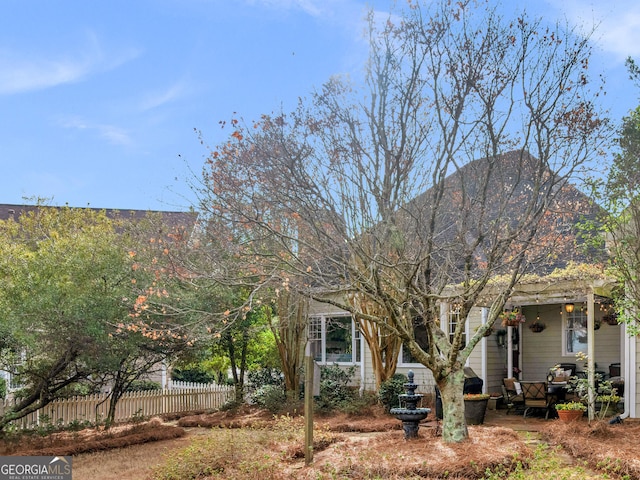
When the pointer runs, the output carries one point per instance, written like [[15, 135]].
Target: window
[[334, 339], [420, 332], [453, 320], [315, 338], [574, 332]]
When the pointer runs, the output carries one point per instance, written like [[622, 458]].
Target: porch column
[[591, 368], [509, 351]]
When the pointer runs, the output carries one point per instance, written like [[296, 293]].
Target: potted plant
[[537, 326], [512, 318], [570, 411], [475, 407]]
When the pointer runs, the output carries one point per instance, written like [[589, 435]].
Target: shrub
[[390, 389], [143, 386], [194, 374], [3, 388], [360, 405], [335, 392], [271, 397], [264, 376]]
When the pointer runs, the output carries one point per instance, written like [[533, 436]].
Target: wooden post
[[591, 352], [308, 407], [509, 351]]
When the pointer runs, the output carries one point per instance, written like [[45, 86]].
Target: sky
[[100, 100]]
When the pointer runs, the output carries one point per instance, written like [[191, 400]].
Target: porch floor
[[515, 420]]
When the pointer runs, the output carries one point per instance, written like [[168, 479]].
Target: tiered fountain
[[410, 415]]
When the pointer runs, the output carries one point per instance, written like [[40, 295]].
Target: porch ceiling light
[[568, 307]]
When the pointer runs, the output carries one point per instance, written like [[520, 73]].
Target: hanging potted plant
[[512, 318], [537, 326], [570, 411]]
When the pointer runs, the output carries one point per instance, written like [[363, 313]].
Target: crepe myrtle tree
[[73, 297], [447, 165]]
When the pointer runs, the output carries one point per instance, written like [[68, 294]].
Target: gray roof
[[170, 219]]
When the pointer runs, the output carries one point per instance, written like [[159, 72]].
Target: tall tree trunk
[[289, 333], [454, 426], [384, 349]]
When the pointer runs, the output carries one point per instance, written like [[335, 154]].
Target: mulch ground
[[90, 440], [611, 449]]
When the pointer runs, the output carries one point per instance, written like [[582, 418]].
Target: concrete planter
[[474, 411]]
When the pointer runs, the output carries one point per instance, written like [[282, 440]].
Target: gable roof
[[511, 175]]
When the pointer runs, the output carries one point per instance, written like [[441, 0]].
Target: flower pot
[[570, 415], [474, 411]]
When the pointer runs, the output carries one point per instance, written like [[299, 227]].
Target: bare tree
[[447, 167]]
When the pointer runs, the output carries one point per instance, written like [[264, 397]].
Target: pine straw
[[389, 456], [91, 439], [228, 419], [612, 449], [376, 421]]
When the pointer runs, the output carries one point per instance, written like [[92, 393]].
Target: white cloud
[[18, 75], [157, 99], [22, 72], [113, 134], [618, 23]]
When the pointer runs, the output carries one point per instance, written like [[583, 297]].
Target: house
[[568, 294], [169, 224]]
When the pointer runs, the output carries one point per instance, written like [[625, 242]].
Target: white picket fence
[[94, 408], [177, 384]]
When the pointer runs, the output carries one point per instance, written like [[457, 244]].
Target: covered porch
[[564, 319]]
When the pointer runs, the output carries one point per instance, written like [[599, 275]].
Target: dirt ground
[[131, 452]]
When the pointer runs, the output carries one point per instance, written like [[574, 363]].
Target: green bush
[[3, 388], [195, 374], [335, 393], [264, 376], [143, 386], [390, 389], [271, 397], [360, 405]]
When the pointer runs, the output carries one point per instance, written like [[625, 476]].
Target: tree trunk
[[454, 427], [290, 334]]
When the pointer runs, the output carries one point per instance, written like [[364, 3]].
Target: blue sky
[[99, 99]]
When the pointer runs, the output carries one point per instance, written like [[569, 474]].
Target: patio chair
[[513, 399], [536, 397]]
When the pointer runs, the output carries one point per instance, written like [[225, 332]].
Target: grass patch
[[276, 453], [548, 462], [243, 453]]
